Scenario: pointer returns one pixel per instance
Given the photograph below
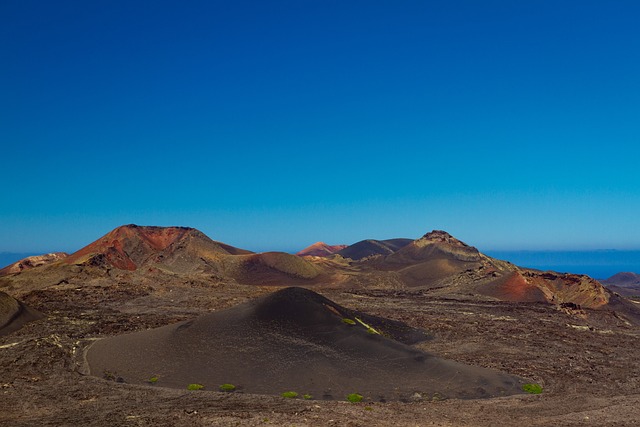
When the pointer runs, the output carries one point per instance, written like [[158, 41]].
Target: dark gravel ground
[[587, 362]]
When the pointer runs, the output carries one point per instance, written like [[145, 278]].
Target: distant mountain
[[320, 249], [182, 253], [131, 246], [444, 264], [625, 283], [436, 262], [370, 247], [32, 262], [625, 279]]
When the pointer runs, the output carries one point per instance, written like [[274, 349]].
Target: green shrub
[[195, 387], [227, 387], [154, 379], [532, 388], [307, 396], [290, 394], [354, 398], [348, 321]]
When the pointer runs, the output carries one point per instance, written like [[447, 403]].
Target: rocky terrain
[[565, 332]]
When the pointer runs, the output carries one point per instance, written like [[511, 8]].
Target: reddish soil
[[320, 249], [514, 287]]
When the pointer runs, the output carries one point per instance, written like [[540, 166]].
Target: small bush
[[195, 387], [348, 321], [227, 387], [532, 388], [154, 379], [290, 394], [307, 396], [354, 398]]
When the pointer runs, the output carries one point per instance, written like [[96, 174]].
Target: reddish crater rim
[[111, 245]]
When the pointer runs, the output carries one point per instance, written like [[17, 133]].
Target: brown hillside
[[32, 262], [371, 247], [130, 246], [270, 268], [626, 284], [320, 249], [14, 314]]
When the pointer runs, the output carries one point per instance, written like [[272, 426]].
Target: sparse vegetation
[[195, 386], [437, 396], [154, 379], [227, 387], [348, 321], [307, 396], [290, 394], [532, 388], [370, 329], [354, 398]]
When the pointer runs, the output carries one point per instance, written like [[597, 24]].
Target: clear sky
[[275, 124]]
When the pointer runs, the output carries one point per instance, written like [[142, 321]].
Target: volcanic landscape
[[165, 326]]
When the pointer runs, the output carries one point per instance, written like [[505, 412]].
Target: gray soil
[[587, 362]]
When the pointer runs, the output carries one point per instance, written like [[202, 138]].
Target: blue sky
[[272, 125]]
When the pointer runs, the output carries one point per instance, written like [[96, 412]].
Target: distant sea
[[600, 264]]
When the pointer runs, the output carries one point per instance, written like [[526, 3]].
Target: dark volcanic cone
[[14, 314], [293, 340], [370, 247]]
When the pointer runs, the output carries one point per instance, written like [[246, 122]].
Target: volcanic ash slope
[[14, 314], [293, 340]]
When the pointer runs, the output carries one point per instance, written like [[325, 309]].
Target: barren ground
[[589, 367]]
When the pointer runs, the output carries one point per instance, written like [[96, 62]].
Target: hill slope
[[625, 283], [320, 249], [447, 266], [371, 247], [14, 314], [32, 262], [293, 340], [131, 246]]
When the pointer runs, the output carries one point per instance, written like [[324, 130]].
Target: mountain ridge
[[436, 262]]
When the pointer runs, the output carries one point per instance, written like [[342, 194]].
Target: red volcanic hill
[[294, 340], [440, 261], [186, 250], [32, 262], [131, 246], [320, 249]]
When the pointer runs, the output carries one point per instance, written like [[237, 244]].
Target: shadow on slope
[[371, 247], [14, 314], [293, 340]]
